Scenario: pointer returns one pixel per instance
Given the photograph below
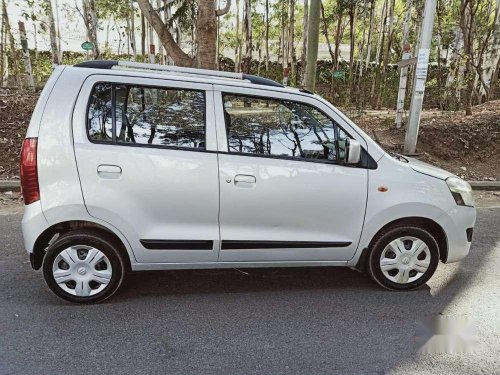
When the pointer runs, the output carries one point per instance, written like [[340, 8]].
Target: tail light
[[29, 173]]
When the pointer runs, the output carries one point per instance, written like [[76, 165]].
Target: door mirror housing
[[352, 151]]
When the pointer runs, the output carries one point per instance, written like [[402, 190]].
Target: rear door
[[284, 195], [146, 157]]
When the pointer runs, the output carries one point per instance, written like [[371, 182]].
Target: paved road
[[273, 321]]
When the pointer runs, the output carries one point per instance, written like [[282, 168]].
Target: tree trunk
[[206, 35], [303, 56], [143, 35], [466, 24], [352, 75], [132, 29], [90, 21], [2, 47], [52, 33], [284, 26], [327, 36], [35, 39], [26, 55], [493, 58], [291, 43], [338, 39], [332, 54], [151, 50], [361, 52], [168, 17], [178, 55], [439, 41], [267, 35], [494, 80], [352, 12], [370, 33], [11, 52], [205, 39], [390, 28], [247, 25], [312, 44], [378, 54], [403, 78], [161, 57], [237, 50]]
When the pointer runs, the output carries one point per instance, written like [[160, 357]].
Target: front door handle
[[109, 171], [244, 180]]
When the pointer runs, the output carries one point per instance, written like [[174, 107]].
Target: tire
[[83, 266], [398, 261]]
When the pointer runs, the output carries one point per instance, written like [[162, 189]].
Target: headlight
[[461, 191]]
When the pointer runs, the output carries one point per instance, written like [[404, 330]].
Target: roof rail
[[114, 64]]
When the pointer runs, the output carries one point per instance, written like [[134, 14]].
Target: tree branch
[[221, 12], [167, 40]]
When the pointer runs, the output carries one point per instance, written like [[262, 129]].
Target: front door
[[283, 194], [145, 166]]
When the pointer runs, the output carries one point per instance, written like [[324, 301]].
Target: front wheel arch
[[422, 222]]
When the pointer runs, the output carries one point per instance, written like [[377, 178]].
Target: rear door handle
[[244, 180], [109, 171]]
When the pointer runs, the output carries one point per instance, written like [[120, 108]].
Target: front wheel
[[83, 267], [403, 258]]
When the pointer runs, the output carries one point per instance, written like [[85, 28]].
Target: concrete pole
[[417, 97], [160, 47], [400, 104]]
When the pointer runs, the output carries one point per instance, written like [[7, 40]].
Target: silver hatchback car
[[131, 166]]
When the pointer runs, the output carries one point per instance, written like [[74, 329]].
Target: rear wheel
[[403, 258], [83, 267]]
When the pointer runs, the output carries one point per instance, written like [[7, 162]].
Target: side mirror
[[352, 151]]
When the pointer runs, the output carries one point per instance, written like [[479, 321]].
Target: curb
[[14, 185], [485, 185], [10, 185]]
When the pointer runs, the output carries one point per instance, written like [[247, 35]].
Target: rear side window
[[99, 119], [283, 128], [144, 115]]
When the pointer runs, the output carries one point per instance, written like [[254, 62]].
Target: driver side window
[[281, 128]]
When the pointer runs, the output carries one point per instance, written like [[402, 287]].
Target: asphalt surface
[[268, 321]]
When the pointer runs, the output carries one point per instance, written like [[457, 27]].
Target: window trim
[[336, 126], [114, 140]]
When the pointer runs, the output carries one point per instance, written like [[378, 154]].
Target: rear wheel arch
[[57, 230]]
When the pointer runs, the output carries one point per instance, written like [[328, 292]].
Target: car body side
[[60, 112]]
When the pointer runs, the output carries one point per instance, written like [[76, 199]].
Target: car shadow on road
[[243, 280]]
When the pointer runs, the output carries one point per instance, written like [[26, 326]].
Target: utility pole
[[403, 78], [417, 97]]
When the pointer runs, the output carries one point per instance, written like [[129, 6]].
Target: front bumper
[[458, 225]]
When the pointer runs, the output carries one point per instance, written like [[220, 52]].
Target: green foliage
[[341, 89]]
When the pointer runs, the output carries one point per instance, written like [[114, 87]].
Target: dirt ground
[[15, 112], [466, 146]]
